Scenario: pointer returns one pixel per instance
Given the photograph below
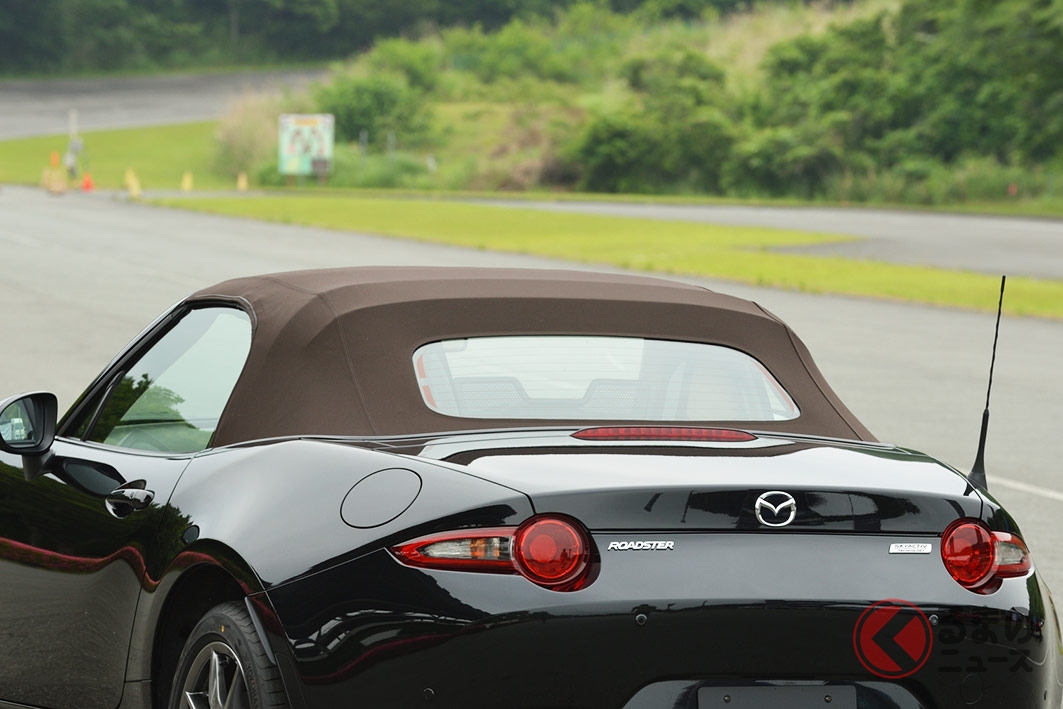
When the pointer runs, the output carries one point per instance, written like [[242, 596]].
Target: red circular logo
[[892, 638]]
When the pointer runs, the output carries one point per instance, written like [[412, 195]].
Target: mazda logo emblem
[[775, 508]]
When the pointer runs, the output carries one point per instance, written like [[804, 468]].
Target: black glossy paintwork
[[82, 593], [730, 603], [838, 488], [72, 573], [539, 648], [281, 504]]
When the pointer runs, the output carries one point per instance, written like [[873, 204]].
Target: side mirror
[[27, 428]]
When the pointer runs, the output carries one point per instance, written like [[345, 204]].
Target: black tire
[[225, 666]]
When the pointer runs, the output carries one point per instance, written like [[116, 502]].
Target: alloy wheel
[[215, 680]]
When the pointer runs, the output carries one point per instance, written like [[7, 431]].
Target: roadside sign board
[[305, 143]]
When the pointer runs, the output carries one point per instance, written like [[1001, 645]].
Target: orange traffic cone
[[86, 183]]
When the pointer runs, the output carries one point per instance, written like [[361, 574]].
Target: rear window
[[592, 378]]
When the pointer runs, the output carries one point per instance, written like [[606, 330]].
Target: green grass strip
[[724, 252], [158, 155], [1047, 207]]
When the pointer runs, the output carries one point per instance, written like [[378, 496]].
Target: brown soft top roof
[[332, 349]]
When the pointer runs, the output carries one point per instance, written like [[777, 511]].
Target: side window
[[171, 398]]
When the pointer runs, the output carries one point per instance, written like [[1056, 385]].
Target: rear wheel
[[224, 665]]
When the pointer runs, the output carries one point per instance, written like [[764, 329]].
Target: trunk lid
[[835, 486]]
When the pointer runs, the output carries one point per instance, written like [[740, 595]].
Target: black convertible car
[[489, 489]]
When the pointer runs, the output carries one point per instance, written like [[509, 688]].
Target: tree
[[32, 36]]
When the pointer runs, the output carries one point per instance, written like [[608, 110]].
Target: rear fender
[[246, 520], [298, 507]]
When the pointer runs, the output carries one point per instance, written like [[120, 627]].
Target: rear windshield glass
[[587, 378]]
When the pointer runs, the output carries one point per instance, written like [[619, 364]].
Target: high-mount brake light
[[977, 557], [551, 551], [663, 433]]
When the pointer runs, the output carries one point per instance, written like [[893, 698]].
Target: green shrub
[[924, 181], [940, 101], [419, 62], [701, 149], [379, 104], [657, 10], [464, 48], [617, 153], [668, 71], [520, 50], [352, 169], [781, 161], [246, 135]]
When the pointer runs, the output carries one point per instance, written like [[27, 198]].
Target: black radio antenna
[[977, 475]]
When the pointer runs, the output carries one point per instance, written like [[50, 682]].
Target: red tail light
[[553, 552], [968, 553], [977, 557], [663, 433]]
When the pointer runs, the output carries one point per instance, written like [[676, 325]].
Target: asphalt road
[[81, 275], [1015, 246], [37, 107]]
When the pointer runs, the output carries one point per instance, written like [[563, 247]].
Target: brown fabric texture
[[332, 349]]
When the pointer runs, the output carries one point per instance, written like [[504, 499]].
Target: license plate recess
[[778, 697]]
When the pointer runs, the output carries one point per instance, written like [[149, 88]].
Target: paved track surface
[[41, 107], [1018, 247], [82, 274]]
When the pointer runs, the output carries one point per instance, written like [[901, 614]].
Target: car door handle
[[129, 498]]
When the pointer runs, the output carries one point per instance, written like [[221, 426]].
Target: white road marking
[[1026, 487]]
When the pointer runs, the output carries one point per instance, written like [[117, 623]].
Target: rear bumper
[[607, 661], [469, 641]]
